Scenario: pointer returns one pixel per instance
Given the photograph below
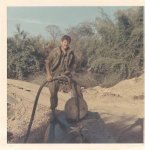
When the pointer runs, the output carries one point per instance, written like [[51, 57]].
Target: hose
[[77, 100], [34, 110], [37, 97]]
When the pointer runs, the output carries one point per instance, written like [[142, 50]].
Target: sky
[[35, 19]]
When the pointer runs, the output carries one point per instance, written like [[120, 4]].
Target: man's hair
[[66, 37]]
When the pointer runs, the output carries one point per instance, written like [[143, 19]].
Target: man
[[59, 62]]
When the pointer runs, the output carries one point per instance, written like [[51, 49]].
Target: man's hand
[[49, 78]]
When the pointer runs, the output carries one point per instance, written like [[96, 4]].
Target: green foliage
[[111, 49], [115, 50], [23, 55]]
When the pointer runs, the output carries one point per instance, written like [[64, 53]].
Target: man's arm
[[47, 66], [49, 76]]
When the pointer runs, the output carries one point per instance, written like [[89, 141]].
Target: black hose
[[34, 110], [36, 101], [77, 100]]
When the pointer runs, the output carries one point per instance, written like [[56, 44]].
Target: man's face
[[65, 44]]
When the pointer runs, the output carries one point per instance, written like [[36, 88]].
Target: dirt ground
[[121, 108]]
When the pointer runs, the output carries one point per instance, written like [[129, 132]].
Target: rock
[[71, 108]]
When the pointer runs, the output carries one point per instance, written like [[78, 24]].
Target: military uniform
[[59, 63]]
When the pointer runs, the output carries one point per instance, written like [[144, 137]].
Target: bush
[[113, 49]]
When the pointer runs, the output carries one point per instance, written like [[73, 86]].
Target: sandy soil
[[121, 107]]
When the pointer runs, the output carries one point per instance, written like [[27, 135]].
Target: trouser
[[54, 88]]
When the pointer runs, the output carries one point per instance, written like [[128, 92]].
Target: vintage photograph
[[75, 74]]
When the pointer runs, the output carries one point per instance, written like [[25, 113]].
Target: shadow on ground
[[127, 133], [91, 129]]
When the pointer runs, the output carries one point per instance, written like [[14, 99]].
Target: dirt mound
[[120, 107]]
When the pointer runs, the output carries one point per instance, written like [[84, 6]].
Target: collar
[[62, 51]]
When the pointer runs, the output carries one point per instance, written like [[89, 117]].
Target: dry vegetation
[[111, 49]]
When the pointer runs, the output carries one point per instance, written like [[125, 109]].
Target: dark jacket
[[55, 56]]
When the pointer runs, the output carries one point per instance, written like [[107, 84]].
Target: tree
[[54, 32], [23, 58]]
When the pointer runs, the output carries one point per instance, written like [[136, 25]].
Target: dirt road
[[121, 107]]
